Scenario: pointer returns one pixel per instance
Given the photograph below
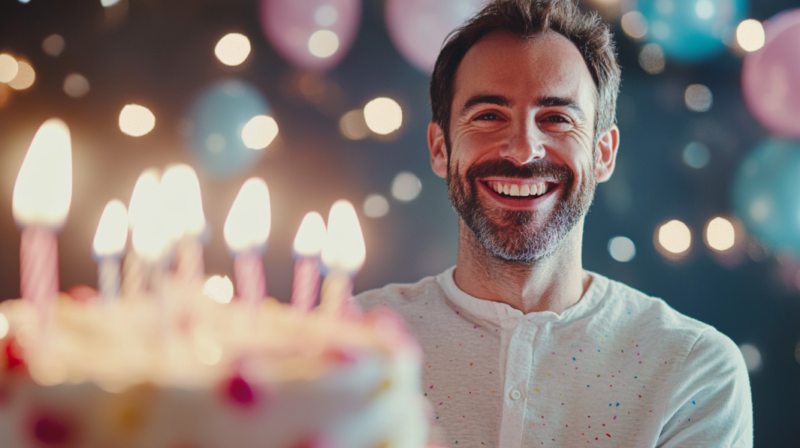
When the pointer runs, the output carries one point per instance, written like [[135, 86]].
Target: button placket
[[518, 367]]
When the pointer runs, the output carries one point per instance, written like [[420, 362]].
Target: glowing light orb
[[674, 237], [720, 234], [651, 59], [259, 132], [8, 67], [376, 206], [323, 43], [621, 249], [232, 49], [53, 45], [76, 85], [353, 126], [696, 155], [406, 186], [136, 120], [634, 25], [698, 98], [219, 289], [752, 356], [383, 115], [24, 78]]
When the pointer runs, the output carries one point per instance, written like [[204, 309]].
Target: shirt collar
[[498, 312]]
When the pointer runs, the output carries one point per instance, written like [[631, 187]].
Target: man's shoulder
[[400, 295], [642, 310]]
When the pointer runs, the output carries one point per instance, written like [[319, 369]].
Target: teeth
[[517, 190]]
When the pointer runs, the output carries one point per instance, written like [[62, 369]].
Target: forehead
[[546, 65]]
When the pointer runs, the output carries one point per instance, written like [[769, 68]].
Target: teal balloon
[[691, 30], [215, 124], [766, 193]]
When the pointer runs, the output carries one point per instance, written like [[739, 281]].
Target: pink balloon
[[418, 28], [771, 76], [311, 34]]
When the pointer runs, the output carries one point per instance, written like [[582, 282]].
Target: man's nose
[[526, 144]]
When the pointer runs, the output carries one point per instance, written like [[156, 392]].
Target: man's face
[[521, 171]]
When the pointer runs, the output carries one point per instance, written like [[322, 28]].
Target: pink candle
[[307, 247], [246, 231], [42, 196], [39, 265]]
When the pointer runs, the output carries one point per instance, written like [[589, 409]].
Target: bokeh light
[[696, 155], [406, 186], [651, 59], [634, 25], [136, 120], [108, 3], [326, 15], [698, 98], [53, 45], [76, 85], [208, 352], [323, 43], [704, 9], [376, 206], [383, 115], [47, 371], [750, 35], [218, 289], [3, 325], [621, 249], [259, 132], [232, 49], [353, 126], [24, 78], [674, 237], [720, 234], [8, 67], [752, 357]]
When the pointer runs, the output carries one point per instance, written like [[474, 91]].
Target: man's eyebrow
[[550, 101], [500, 100]]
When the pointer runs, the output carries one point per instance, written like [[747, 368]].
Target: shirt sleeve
[[710, 404]]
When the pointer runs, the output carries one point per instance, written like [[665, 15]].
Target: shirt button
[[515, 394]]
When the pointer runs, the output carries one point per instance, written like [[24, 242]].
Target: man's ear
[[606, 153], [438, 149]]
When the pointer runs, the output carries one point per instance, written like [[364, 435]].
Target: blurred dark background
[[160, 54]]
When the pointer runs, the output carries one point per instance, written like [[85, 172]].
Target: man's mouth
[[519, 189]]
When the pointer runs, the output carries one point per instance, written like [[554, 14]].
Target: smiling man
[[523, 347]]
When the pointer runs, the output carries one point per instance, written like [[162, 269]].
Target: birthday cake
[[201, 374]]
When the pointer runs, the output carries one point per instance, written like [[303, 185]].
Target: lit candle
[[307, 247], [42, 196], [145, 194], [108, 247], [182, 194], [246, 231], [343, 256]]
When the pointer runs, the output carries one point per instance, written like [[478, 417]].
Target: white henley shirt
[[617, 369]]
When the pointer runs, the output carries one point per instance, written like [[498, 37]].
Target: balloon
[[215, 127], [771, 76], [418, 28], [691, 30], [311, 34], [766, 193]]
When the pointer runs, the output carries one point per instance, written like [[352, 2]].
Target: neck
[[554, 283]]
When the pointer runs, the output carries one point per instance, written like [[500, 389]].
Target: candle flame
[[155, 227], [144, 195], [112, 232], [248, 223], [43, 191], [311, 236], [181, 190], [344, 247]]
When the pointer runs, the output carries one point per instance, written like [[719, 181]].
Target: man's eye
[[489, 116], [556, 119]]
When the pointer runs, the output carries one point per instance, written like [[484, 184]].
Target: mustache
[[506, 168]]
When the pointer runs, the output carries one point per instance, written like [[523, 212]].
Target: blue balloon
[[766, 193], [215, 124], [691, 30]]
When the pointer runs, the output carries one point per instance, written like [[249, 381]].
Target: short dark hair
[[527, 19]]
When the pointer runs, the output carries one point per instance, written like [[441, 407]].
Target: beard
[[520, 236]]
